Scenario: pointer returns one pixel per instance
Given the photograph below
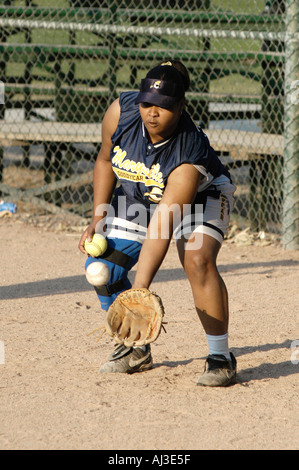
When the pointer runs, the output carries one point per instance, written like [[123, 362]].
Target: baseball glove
[[135, 317]]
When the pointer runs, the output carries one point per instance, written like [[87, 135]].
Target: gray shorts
[[208, 215], [212, 211]]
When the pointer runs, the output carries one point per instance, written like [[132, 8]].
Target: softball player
[[170, 183]]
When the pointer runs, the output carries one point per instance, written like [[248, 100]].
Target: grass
[[239, 6], [93, 69]]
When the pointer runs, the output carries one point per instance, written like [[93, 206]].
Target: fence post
[[291, 154]]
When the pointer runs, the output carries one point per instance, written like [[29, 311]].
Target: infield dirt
[[53, 397]]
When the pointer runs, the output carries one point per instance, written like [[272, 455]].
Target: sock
[[218, 345]]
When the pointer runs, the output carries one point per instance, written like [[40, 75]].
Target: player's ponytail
[[182, 70], [172, 71]]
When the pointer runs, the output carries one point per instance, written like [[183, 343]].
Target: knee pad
[[109, 272]]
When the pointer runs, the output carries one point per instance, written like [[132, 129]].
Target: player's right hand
[[87, 235]]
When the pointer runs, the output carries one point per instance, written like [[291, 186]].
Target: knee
[[199, 267]]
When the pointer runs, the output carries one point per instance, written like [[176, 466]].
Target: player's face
[[160, 122]]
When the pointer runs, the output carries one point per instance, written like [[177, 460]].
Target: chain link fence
[[62, 63]]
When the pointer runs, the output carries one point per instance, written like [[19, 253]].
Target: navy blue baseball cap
[[161, 92]]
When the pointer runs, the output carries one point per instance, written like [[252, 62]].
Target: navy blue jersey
[[142, 168]]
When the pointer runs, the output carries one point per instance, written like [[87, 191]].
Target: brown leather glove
[[135, 317]]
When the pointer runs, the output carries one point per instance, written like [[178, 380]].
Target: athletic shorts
[[211, 211], [209, 214]]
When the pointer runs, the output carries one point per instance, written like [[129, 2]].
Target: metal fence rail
[[63, 64]]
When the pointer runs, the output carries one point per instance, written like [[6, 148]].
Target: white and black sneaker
[[219, 371], [128, 360]]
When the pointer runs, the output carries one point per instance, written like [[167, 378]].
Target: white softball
[[97, 246], [97, 274]]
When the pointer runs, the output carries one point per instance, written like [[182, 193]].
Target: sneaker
[[128, 360], [219, 371]]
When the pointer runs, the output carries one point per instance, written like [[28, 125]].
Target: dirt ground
[[53, 397]]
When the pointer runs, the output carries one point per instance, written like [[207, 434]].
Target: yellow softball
[[97, 246]]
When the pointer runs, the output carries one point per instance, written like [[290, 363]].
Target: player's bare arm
[[103, 177], [160, 229]]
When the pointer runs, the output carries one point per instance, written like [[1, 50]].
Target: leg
[[211, 303], [198, 254], [208, 288], [120, 256], [108, 283]]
